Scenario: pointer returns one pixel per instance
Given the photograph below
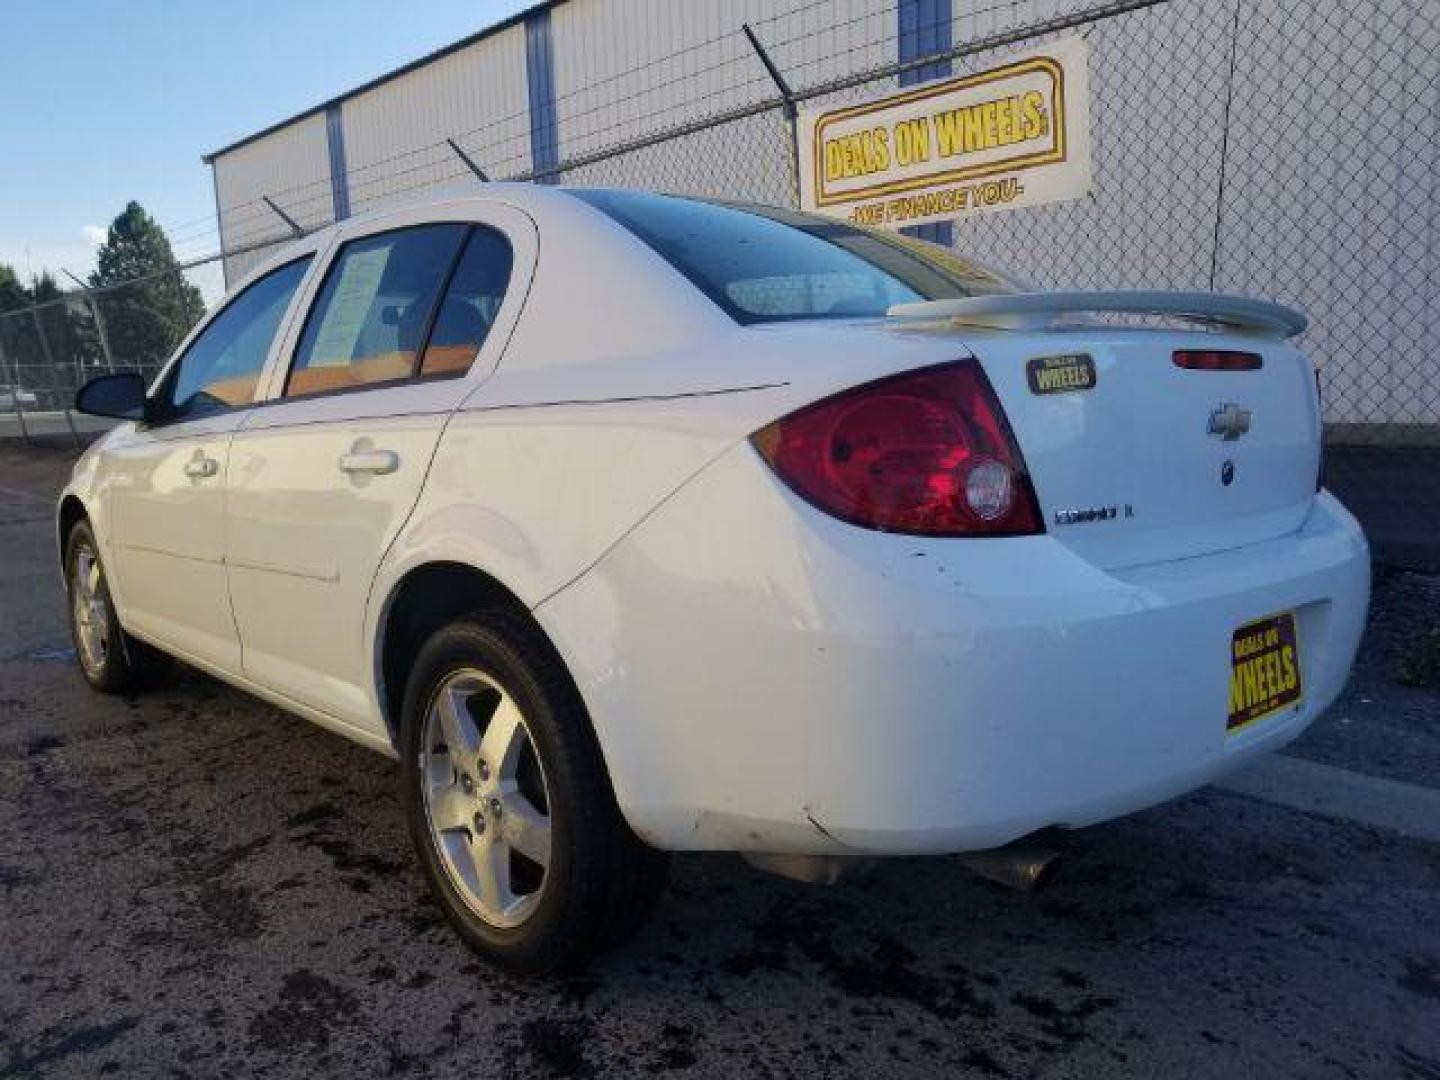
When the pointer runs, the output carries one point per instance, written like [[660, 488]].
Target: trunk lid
[[1128, 471]]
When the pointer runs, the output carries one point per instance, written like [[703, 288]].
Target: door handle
[[200, 466], [374, 462]]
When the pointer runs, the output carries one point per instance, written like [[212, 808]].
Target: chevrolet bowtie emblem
[[1229, 421]]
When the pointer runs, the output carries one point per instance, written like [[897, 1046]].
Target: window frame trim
[[332, 265], [418, 375], [164, 383]]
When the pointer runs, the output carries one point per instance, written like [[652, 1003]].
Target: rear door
[[163, 483], [323, 477], [1148, 445]]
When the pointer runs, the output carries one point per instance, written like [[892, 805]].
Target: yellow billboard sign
[[1014, 135]]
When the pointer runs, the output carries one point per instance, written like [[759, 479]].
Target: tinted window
[[471, 303], [371, 315], [222, 366], [762, 264]]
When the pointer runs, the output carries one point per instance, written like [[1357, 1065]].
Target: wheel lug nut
[[495, 807], [484, 771], [479, 824], [466, 784]]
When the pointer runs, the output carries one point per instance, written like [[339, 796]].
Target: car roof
[[523, 195]]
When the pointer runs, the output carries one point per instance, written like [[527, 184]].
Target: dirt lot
[[195, 884]]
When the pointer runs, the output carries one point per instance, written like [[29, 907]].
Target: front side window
[[762, 264], [372, 314], [221, 368], [471, 303]]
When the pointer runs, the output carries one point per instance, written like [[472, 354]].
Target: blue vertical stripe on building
[[540, 76], [925, 29], [339, 182]]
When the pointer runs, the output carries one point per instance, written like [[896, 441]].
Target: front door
[[165, 480], [324, 476]]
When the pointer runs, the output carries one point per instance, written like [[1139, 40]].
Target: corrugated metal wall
[[1332, 143], [624, 68], [292, 166], [476, 96]]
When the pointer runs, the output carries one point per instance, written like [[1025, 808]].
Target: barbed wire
[[234, 218], [1180, 200]]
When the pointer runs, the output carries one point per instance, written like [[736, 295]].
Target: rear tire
[[509, 804], [111, 660]]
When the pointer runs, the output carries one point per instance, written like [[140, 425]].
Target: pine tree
[[13, 295], [146, 318], [61, 333], [19, 341]]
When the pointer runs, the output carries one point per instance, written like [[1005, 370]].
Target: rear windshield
[[767, 265]]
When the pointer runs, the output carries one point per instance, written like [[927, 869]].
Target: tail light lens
[[1218, 360], [928, 452]]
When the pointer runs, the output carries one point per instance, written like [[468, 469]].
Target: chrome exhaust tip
[[1021, 867]]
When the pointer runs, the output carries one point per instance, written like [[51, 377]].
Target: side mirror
[[120, 396]]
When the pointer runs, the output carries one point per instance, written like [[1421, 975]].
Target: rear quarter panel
[[541, 472]]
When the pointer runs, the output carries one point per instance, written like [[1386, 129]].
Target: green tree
[[19, 343], [154, 307], [13, 295], [44, 288], [69, 326]]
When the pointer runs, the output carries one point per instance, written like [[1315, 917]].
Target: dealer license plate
[[1264, 670]]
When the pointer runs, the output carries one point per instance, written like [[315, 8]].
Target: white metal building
[[1283, 147]]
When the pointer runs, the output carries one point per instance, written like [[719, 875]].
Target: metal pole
[[469, 164], [15, 395], [294, 228], [792, 113], [100, 330], [1224, 149], [54, 372], [99, 320]]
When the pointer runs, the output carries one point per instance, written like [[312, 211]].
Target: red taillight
[[928, 452], [1218, 360]]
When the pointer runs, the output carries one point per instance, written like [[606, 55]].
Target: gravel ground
[[195, 884]]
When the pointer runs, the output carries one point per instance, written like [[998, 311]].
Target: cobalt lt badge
[[1229, 421]]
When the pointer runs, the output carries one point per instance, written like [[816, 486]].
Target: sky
[[104, 102]]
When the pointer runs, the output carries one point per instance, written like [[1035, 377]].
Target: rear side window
[[222, 366], [374, 310], [765, 265], [471, 303]]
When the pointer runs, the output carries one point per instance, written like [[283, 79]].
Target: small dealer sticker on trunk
[[1060, 374], [1264, 670]]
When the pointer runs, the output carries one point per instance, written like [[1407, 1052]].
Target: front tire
[[509, 803], [111, 660]]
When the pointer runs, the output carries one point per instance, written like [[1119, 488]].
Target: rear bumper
[[763, 678]]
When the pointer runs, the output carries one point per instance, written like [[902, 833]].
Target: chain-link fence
[[1284, 148], [47, 352]]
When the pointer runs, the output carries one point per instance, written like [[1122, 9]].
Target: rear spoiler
[[1018, 311]]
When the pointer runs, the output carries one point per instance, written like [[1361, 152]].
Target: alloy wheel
[[486, 798], [90, 609]]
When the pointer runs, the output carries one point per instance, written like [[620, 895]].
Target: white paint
[[761, 676]]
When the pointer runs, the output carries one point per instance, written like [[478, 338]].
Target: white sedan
[[634, 524]]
